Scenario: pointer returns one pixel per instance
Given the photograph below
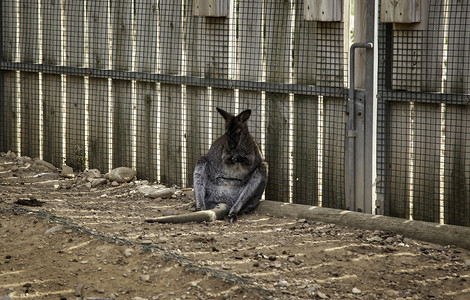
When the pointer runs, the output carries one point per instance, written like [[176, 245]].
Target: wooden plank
[[30, 109], [51, 14], [98, 114], [30, 105], [426, 162], [9, 140], [74, 33], [75, 85], [250, 62], [198, 106], [121, 40], [98, 101], [171, 131], [29, 32], [146, 33], [457, 166], [9, 24], [333, 173], [305, 152], [171, 135], [397, 160], [147, 134], [458, 49], [121, 93], [52, 119], [75, 123], [97, 18], [214, 47], [418, 54], [277, 54]]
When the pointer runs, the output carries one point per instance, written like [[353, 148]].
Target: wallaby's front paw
[[233, 218]]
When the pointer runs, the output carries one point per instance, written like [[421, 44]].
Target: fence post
[[360, 148]]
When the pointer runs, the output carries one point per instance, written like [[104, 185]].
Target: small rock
[[390, 240], [128, 252], [99, 181], [24, 160], [14, 168], [322, 295], [375, 239], [43, 166], [67, 172], [79, 291], [282, 283], [139, 298], [225, 267], [88, 185], [302, 221], [356, 291], [57, 186], [11, 155], [93, 173], [145, 277], [121, 174], [114, 183]]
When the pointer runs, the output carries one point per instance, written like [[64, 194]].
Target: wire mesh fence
[[102, 84], [423, 153]]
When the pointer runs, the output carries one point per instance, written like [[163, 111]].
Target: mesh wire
[[102, 84], [423, 153]]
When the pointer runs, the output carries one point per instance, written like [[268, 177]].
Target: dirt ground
[[93, 243]]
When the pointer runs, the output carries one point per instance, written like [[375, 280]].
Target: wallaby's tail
[[217, 213]]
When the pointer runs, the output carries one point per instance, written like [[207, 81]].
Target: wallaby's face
[[236, 131]]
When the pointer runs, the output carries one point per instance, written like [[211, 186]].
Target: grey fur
[[232, 172]]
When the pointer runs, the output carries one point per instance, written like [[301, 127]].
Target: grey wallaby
[[230, 179]]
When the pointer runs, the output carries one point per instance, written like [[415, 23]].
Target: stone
[[282, 283], [93, 173], [54, 229], [43, 166], [98, 181], [121, 174], [14, 168], [145, 277], [114, 183], [128, 252], [11, 155], [67, 172], [356, 291], [156, 191]]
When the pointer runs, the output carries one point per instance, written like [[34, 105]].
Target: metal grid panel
[[102, 84], [422, 116]]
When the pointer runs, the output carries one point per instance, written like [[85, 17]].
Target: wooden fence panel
[[30, 101], [250, 62], [51, 14], [146, 92], [305, 152], [426, 162], [10, 112], [457, 165], [397, 179], [98, 49], [457, 120], [334, 130], [277, 53], [171, 131], [75, 85], [122, 37]]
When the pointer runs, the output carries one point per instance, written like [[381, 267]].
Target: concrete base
[[425, 231]]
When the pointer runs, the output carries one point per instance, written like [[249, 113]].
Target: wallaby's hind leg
[[252, 192], [200, 183]]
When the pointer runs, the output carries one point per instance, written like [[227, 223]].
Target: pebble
[[114, 183], [54, 229], [356, 291], [97, 182], [121, 174], [322, 295], [44, 166], [67, 172], [145, 277], [14, 168], [282, 283], [93, 173], [128, 252]]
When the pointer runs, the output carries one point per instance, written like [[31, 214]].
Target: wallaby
[[230, 179]]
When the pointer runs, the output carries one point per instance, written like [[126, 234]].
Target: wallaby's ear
[[224, 114], [244, 115]]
